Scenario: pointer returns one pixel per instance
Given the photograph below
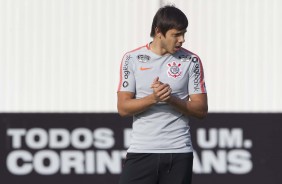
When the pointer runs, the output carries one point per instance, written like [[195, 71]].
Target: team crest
[[174, 70]]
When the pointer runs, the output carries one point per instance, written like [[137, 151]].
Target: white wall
[[64, 55]]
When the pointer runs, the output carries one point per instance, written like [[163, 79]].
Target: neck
[[155, 47]]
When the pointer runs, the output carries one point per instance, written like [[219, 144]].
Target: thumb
[[154, 82], [156, 79]]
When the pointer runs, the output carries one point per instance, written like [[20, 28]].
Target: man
[[161, 85]]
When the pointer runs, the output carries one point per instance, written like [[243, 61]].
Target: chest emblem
[[174, 70]]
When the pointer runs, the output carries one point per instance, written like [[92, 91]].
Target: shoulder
[[187, 56], [188, 52], [136, 51], [140, 54]]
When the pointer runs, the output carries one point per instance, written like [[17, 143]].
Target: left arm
[[197, 106], [197, 103]]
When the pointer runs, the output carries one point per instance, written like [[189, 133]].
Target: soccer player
[[161, 85]]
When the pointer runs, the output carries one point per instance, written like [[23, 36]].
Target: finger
[[155, 85], [165, 99], [156, 79], [167, 92], [163, 87], [158, 84], [162, 90], [165, 96]]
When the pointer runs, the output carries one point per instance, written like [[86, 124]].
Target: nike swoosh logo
[[142, 68]]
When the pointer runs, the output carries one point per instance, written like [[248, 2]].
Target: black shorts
[[157, 168]]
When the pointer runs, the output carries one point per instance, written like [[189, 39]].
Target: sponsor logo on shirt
[[143, 58], [184, 58], [194, 59], [144, 68], [174, 70], [126, 73], [125, 84], [197, 78]]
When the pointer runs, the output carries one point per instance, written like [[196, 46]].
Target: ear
[[158, 33]]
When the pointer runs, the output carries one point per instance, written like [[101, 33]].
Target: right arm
[[127, 105]]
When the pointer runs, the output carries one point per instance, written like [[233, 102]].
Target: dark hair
[[169, 17]]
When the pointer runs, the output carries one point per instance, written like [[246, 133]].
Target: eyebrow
[[180, 32]]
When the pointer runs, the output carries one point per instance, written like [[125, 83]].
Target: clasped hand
[[161, 91]]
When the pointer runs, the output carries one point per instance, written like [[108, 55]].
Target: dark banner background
[[258, 144]]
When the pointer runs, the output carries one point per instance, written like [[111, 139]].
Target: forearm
[[133, 106], [194, 108], [128, 105]]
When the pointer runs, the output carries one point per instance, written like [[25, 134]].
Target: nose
[[181, 39]]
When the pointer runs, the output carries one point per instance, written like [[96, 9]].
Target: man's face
[[173, 40]]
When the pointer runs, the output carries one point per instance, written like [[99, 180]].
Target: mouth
[[177, 47]]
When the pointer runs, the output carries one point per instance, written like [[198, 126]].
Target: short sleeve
[[196, 77], [127, 79]]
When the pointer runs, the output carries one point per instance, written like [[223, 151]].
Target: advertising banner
[[90, 148]]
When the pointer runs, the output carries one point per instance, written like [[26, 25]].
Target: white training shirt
[[161, 128]]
